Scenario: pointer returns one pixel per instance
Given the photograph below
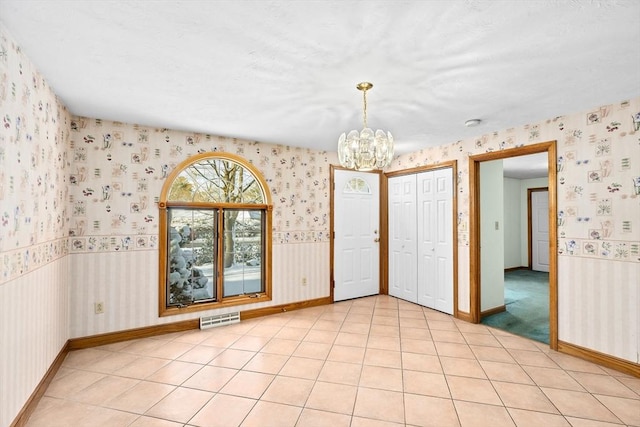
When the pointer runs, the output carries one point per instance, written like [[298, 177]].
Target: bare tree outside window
[[216, 226]]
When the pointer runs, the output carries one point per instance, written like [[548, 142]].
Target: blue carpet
[[526, 297]]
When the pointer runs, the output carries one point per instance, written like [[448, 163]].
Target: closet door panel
[[408, 227], [427, 235], [395, 244], [444, 246], [402, 238]]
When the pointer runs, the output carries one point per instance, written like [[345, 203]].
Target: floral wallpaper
[[599, 183], [34, 129], [117, 171], [598, 168]]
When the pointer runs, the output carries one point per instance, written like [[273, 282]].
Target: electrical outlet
[[98, 307], [304, 281]]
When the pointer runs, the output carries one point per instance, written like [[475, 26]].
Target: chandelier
[[365, 150]]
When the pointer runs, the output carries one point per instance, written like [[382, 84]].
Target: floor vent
[[219, 320]]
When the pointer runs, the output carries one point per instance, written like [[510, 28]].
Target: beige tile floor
[[370, 362]]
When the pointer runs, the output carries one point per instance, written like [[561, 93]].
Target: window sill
[[227, 302]]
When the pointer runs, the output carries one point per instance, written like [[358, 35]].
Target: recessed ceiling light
[[472, 122]]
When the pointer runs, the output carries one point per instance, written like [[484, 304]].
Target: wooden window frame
[[164, 205]]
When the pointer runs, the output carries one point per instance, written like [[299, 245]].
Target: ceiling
[[285, 71], [526, 167]]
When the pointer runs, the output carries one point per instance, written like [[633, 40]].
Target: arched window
[[215, 229], [356, 185]]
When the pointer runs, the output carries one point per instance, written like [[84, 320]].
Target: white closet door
[[427, 235], [402, 238], [435, 235], [444, 241]]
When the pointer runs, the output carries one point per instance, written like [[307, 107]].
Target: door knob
[[377, 239]]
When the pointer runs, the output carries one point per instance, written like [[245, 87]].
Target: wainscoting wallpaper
[[127, 284], [34, 268]]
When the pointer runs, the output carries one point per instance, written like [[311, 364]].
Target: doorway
[[525, 291], [477, 229]]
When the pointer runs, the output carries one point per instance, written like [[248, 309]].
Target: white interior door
[[435, 239], [540, 230], [356, 222], [403, 257]]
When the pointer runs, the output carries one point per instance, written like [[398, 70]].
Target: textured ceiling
[[285, 72]]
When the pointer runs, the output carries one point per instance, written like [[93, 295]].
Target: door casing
[[474, 228]]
